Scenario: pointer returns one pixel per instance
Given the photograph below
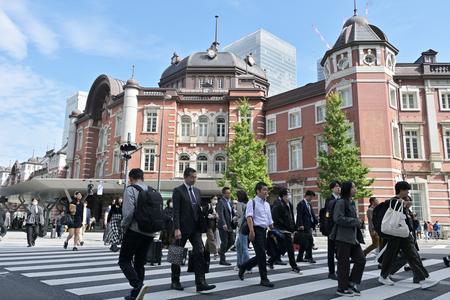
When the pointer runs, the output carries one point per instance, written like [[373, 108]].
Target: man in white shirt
[[85, 222], [258, 220]]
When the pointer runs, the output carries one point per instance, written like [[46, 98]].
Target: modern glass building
[[273, 54]]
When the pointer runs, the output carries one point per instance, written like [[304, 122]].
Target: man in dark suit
[[35, 217], [306, 219], [335, 187], [189, 223], [226, 214]]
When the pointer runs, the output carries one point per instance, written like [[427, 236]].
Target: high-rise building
[[273, 54], [320, 75], [76, 101]]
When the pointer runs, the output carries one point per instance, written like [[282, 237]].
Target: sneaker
[[427, 283], [345, 293], [446, 261], [355, 291], [236, 268], [75, 249], [385, 281], [81, 243], [65, 244], [248, 272], [297, 270], [139, 292]]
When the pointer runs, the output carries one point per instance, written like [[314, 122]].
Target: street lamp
[[129, 148], [166, 97]]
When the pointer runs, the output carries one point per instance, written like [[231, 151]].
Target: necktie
[[194, 203], [310, 212]]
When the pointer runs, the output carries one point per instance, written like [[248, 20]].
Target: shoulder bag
[[393, 223], [244, 228]]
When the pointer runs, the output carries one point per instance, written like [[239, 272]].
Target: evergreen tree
[[341, 162], [247, 163]]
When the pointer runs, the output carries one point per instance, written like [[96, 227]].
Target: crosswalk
[[93, 273]]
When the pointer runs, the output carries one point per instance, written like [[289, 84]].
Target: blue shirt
[[262, 216]]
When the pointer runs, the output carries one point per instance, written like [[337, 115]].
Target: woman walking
[[210, 213], [348, 238], [75, 210], [114, 221], [242, 240], [167, 236]]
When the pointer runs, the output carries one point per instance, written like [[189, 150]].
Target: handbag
[[42, 231], [244, 228], [191, 261], [301, 238], [66, 220], [392, 223], [177, 255]]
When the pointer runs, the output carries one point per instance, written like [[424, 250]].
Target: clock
[[211, 53], [174, 59], [251, 60]]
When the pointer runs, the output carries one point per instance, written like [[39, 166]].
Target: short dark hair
[[169, 201], [372, 199], [283, 192], [225, 189], [402, 186], [310, 193], [34, 198], [334, 183], [346, 189], [136, 174], [188, 172], [242, 196], [212, 197], [259, 186]]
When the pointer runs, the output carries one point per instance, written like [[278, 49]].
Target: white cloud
[[32, 112], [13, 42]]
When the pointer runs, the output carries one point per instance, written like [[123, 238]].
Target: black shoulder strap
[[137, 187]]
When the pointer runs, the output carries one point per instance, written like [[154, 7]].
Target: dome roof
[[358, 29], [76, 112], [223, 59], [132, 82], [32, 160]]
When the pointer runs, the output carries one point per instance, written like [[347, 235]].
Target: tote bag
[[392, 223], [177, 255]]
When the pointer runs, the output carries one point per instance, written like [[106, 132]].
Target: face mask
[[288, 198], [171, 205], [120, 200], [214, 201]]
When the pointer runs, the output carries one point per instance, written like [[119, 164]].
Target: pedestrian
[[306, 220], [166, 235], [211, 223], [437, 230], [425, 230], [242, 254], [106, 229], [35, 217], [225, 224], [348, 238], [283, 220], [189, 224], [59, 226], [3, 223], [406, 245], [135, 243], [373, 202], [335, 187], [85, 222], [235, 224], [430, 230], [75, 210], [419, 229], [114, 222], [258, 220]]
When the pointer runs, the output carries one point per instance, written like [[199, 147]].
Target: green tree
[[341, 162], [247, 163]]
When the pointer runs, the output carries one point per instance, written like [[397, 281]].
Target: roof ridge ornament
[[355, 10]]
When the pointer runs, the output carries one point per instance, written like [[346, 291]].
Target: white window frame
[[271, 150], [297, 195], [249, 117], [320, 144], [348, 102], [185, 127], [271, 124], [292, 143], [116, 161], [220, 164], [392, 96], [151, 119], [79, 138], [220, 83], [201, 81], [296, 113], [410, 91], [442, 93], [202, 165], [420, 142], [446, 138], [211, 82], [118, 129], [101, 137], [76, 173], [203, 127], [148, 151], [322, 104], [185, 163], [351, 132], [222, 127], [396, 147]]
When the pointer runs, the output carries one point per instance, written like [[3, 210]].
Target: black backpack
[[329, 220], [149, 213], [378, 215], [322, 218]]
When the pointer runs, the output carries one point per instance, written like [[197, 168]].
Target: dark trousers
[[331, 248], [59, 230], [307, 249], [3, 230], [137, 245], [226, 241], [345, 251], [32, 233], [197, 250], [285, 246], [394, 245], [260, 251], [400, 261]]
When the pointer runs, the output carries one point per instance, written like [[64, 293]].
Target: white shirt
[[262, 216]]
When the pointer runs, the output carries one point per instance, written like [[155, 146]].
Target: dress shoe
[[311, 261], [224, 263], [241, 272], [446, 261], [114, 248], [300, 260], [204, 287], [233, 248], [266, 282], [280, 262], [65, 244], [407, 268], [32, 243], [270, 266], [176, 286], [29, 246], [332, 276]]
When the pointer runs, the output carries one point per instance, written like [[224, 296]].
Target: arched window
[[221, 127], [183, 163], [185, 126], [101, 135], [98, 170], [219, 164], [202, 164], [203, 126]]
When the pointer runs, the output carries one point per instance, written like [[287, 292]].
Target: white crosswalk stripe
[[94, 274]]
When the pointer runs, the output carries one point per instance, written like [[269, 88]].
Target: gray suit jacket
[[32, 217], [225, 216]]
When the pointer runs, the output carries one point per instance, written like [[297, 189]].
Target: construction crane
[[367, 9], [326, 44]]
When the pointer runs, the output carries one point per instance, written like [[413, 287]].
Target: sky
[[50, 49]]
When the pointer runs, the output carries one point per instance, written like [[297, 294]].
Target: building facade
[[273, 54], [76, 101]]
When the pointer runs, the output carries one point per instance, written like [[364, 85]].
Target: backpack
[[378, 215], [322, 218], [435, 227], [329, 220], [149, 213]]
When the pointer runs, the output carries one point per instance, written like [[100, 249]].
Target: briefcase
[[301, 238], [191, 261], [154, 253]]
